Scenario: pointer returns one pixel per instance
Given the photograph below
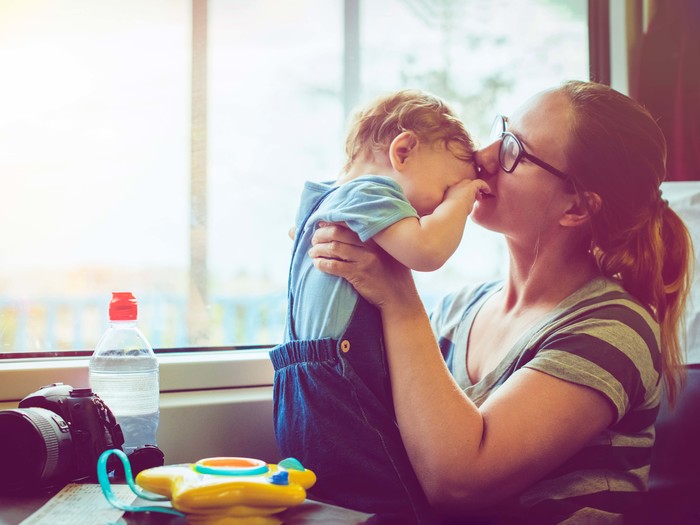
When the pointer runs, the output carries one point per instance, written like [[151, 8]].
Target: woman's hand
[[375, 275]]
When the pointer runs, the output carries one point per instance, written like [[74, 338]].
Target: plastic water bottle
[[124, 373]]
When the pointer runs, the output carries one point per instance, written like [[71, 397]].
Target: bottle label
[[127, 393]]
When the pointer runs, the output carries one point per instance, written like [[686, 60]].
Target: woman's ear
[[401, 149], [582, 208]]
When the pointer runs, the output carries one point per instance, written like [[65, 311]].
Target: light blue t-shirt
[[322, 304]]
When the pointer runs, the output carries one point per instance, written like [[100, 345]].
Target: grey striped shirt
[[600, 337]]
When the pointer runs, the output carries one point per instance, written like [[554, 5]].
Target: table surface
[[14, 509]]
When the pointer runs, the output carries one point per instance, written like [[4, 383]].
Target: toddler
[[408, 185]]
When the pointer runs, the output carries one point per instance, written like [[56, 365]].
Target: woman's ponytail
[[619, 152], [652, 261], [676, 272]]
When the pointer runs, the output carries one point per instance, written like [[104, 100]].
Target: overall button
[[345, 346]]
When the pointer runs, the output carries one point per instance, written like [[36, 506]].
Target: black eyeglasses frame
[[522, 154]]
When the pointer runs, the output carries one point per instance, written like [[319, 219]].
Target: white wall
[[212, 403]]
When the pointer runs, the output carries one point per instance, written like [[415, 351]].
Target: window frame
[[183, 371]]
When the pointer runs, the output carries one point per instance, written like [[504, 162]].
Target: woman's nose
[[487, 160]]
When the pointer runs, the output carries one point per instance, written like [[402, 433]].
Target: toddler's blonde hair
[[374, 127]]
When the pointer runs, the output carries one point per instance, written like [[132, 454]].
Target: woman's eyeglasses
[[511, 151]]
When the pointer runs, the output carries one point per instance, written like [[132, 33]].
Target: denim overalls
[[334, 412]]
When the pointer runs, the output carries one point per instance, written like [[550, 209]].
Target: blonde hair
[[618, 151], [374, 127]]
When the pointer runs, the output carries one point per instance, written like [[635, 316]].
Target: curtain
[[669, 82]]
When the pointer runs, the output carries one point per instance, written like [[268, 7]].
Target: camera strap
[[103, 478]]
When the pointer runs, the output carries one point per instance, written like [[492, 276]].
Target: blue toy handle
[[103, 478]]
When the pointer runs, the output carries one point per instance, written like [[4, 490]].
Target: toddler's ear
[[401, 149]]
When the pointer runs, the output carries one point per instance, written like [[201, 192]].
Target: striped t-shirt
[[600, 337]]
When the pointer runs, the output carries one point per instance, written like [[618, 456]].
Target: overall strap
[[291, 333]]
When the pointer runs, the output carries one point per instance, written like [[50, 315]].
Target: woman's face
[[528, 202]]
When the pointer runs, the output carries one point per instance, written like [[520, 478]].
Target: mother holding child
[[528, 400]]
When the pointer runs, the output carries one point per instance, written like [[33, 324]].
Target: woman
[[537, 400]]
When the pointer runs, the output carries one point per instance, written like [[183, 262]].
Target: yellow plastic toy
[[222, 490]]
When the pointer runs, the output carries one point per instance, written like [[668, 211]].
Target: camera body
[[56, 435]]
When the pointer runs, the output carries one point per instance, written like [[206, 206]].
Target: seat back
[[674, 480]]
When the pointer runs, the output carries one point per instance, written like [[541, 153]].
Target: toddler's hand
[[466, 191]]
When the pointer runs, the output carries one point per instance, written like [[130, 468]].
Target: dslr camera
[[55, 436]]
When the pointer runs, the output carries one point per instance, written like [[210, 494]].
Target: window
[[98, 153]]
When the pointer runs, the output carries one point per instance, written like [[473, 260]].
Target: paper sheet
[[81, 505]]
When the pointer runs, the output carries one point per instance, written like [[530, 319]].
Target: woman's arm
[[465, 457]]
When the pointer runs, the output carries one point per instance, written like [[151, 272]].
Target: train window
[[160, 147]]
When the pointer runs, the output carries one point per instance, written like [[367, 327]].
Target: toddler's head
[[415, 138], [374, 127]]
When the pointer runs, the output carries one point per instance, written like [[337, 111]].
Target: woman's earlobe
[[584, 206]]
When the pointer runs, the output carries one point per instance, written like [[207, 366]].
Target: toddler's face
[[436, 168]]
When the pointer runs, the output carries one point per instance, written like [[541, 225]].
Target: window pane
[[95, 138], [275, 119]]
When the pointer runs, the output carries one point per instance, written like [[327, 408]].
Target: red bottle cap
[[123, 307]]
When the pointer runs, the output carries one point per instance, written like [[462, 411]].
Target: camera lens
[[35, 449]]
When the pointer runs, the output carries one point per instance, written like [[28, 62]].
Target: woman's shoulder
[[600, 289], [453, 307], [604, 338], [603, 310], [607, 301], [468, 294]]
